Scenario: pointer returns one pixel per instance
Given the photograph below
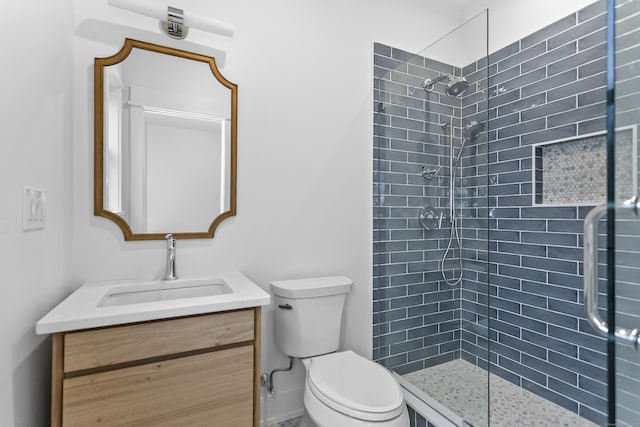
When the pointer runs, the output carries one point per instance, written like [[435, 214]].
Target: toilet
[[342, 389]]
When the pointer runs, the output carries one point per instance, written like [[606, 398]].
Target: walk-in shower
[[478, 271], [430, 283]]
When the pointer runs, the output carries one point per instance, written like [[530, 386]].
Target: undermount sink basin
[[163, 291], [108, 303]]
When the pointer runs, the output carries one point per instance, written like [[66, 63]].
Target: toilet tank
[[309, 314]]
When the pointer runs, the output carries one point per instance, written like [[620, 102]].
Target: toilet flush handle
[[285, 306]]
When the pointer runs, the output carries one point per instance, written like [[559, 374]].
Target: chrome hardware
[[455, 87], [429, 84], [156, 10], [170, 271], [428, 218], [626, 336], [285, 306], [174, 25], [429, 172]]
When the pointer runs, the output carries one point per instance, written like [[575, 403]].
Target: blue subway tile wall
[[523, 260], [416, 317], [473, 201], [541, 92]]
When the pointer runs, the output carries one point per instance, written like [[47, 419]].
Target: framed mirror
[[165, 144]]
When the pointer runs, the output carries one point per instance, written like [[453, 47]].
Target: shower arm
[[627, 336], [429, 84]]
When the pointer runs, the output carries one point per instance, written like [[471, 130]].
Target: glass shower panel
[[624, 275], [431, 220]]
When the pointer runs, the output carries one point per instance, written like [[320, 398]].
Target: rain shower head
[[455, 87], [472, 129]]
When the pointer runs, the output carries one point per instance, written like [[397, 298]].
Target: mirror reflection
[[167, 138]]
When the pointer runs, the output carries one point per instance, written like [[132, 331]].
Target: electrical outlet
[[33, 212]]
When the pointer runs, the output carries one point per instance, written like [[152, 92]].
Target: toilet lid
[[355, 386]]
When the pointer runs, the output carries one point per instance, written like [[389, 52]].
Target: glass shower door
[[625, 361], [623, 263]]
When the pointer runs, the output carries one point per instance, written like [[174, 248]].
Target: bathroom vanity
[[192, 360], [173, 352]]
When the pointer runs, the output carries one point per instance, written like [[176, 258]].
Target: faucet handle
[[170, 272]]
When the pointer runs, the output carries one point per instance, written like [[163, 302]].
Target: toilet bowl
[[346, 390], [342, 389]]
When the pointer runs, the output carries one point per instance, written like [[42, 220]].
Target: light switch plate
[[33, 212]]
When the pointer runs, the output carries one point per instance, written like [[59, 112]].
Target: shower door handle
[[626, 336]]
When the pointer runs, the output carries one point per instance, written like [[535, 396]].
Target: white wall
[[35, 118]]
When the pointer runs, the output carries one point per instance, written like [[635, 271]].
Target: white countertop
[[83, 309]]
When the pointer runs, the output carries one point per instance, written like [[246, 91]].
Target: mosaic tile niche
[[575, 171]]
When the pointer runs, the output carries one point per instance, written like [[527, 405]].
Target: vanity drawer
[[104, 347], [210, 389]]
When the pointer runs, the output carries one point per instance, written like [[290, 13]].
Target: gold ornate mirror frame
[[99, 143]]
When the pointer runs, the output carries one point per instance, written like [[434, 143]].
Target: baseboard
[[281, 406]]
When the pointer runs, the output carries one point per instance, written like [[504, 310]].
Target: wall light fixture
[[173, 21]]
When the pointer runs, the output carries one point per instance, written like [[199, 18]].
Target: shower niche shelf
[[572, 171]]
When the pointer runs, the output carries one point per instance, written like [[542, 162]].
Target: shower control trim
[[431, 218], [429, 172], [623, 335]]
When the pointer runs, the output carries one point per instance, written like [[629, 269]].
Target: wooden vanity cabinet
[[189, 371]]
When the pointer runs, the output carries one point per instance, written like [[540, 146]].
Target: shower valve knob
[[429, 172], [428, 218]]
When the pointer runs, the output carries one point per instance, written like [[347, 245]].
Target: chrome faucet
[[170, 272]]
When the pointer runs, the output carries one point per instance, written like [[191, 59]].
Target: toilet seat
[[355, 386]]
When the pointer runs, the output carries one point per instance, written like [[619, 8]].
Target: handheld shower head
[[472, 129], [470, 132], [455, 87]]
